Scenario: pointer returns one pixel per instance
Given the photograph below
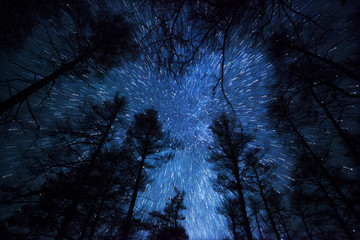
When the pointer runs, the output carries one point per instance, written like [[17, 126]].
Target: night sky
[[187, 105]]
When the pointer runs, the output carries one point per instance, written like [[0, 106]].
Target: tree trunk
[[258, 225], [346, 139], [246, 226], [70, 211], [87, 222], [126, 227], [303, 220], [318, 162], [100, 208], [283, 223], [334, 209], [233, 227], [329, 62], [21, 96], [266, 205], [97, 210]]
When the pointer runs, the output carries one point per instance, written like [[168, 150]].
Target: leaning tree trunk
[[318, 162], [303, 220], [246, 226], [97, 211], [21, 96], [267, 208], [327, 61], [126, 227], [349, 142], [70, 211], [258, 226], [333, 207]]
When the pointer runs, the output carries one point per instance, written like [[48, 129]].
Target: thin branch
[[34, 118]]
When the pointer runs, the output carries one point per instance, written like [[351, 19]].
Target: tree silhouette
[[230, 209], [289, 121], [327, 212], [85, 178], [311, 219], [148, 142], [82, 172], [314, 92], [261, 183], [321, 83], [167, 224], [97, 206], [228, 156], [101, 41]]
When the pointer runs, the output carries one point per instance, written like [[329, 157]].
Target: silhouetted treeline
[[84, 178], [167, 225], [321, 203], [313, 108]]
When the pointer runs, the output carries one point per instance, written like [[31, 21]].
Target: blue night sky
[[187, 105]]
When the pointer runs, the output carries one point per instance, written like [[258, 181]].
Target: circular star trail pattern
[[187, 107]]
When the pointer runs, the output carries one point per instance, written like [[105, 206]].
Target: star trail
[[187, 103]]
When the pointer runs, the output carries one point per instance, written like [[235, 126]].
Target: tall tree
[[228, 154], [98, 42], [321, 86], [316, 164], [262, 178], [83, 176], [330, 213], [230, 209], [41, 211], [106, 118], [149, 143]]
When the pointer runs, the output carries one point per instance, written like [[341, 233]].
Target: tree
[[324, 211], [290, 121], [321, 83], [167, 224], [147, 141], [230, 209], [184, 30], [108, 187], [314, 91], [255, 206], [302, 206], [261, 183], [97, 206], [228, 155], [316, 164], [107, 118], [101, 41], [83, 176]]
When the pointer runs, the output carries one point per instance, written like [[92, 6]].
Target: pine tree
[[145, 139], [167, 224], [78, 175], [228, 157]]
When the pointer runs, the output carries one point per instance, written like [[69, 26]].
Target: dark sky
[[186, 107]]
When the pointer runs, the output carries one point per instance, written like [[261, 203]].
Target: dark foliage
[[167, 224], [228, 156], [85, 179], [96, 42], [149, 146]]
